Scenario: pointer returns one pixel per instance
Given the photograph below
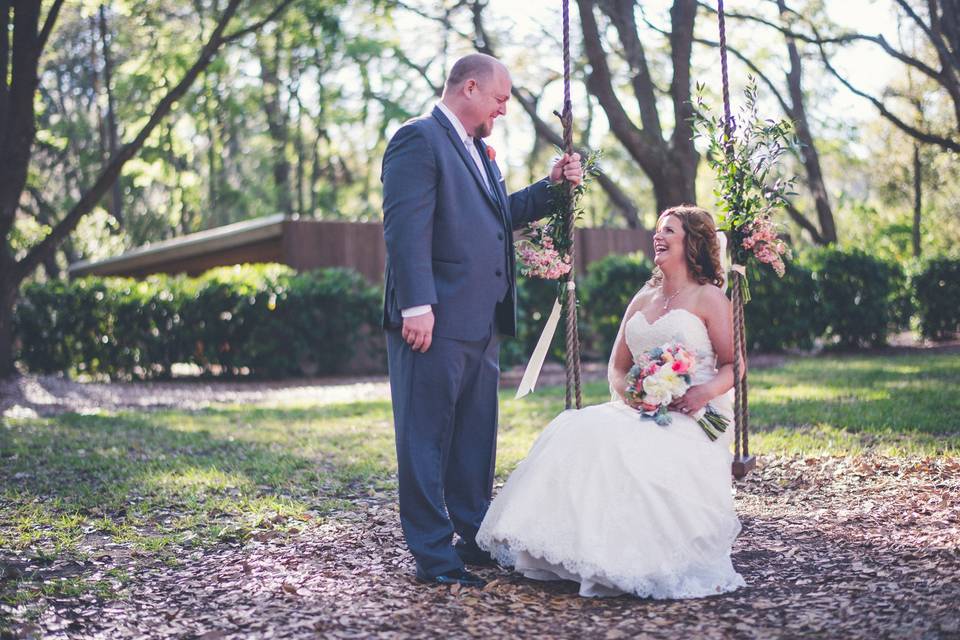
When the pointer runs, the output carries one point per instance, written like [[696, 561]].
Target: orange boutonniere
[[491, 153]]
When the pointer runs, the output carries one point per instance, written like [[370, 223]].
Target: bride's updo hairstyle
[[699, 242]]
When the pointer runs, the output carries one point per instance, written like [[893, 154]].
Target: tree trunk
[[116, 197], [671, 165], [917, 199], [276, 123], [8, 290], [808, 151]]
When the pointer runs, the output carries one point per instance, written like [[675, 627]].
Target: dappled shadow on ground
[[831, 547], [87, 459]]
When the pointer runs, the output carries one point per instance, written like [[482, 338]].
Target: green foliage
[[744, 159], [535, 298], [610, 284], [603, 296], [743, 153], [783, 312], [264, 319], [861, 296], [548, 239], [937, 291]]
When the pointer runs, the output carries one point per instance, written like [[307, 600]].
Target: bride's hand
[[693, 400]]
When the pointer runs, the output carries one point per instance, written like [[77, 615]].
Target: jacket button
[[499, 273], [500, 236]]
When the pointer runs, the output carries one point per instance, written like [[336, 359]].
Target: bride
[[616, 502]]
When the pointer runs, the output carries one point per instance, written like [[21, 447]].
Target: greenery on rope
[[544, 251], [748, 189]]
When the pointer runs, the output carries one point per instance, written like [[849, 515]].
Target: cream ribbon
[[532, 372]]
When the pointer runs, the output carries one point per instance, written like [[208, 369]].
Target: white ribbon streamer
[[532, 372]]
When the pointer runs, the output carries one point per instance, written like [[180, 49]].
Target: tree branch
[[600, 84], [621, 14], [740, 56], [48, 23], [111, 172], [236, 35], [846, 38], [923, 136], [801, 220], [544, 131], [617, 195], [420, 69], [819, 41]]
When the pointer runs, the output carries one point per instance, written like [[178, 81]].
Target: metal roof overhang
[[191, 245]]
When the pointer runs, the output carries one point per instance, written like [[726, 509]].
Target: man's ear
[[469, 86]]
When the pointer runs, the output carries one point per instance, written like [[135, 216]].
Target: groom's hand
[[567, 168], [418, 331]]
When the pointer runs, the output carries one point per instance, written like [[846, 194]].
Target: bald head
[[475, 66], [477, 91]]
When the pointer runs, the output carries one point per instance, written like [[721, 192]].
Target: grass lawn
[[150, 486]]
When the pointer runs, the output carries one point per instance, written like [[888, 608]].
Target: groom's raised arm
[[529, 204], [533, 202], [409, 200]]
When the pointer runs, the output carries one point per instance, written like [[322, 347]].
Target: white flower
[[663, 386]]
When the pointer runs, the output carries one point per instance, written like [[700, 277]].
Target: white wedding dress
[[620, 504]]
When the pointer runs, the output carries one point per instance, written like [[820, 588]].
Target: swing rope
[[569, 293], [743, 462]]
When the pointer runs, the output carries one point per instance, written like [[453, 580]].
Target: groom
[[450, 289]]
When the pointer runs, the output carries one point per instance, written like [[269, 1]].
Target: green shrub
[[535, 298], [861, 296], [264, 319], [603, 294], [783, 312], [609, 286], [937, 291]]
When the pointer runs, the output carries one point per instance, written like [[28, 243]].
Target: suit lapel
[[498, 188], [465, 156]]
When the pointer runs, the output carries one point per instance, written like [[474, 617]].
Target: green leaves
[[565, 200], [744, 157], [266, 320]]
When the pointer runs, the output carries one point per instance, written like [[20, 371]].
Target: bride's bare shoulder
[[711, 300], [646, 292]]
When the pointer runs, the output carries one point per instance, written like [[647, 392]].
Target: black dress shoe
[[472, 554], [455, 576]]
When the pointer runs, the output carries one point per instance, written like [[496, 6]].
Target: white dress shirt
[[475, 154]]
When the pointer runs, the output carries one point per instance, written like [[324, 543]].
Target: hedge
[[265, 320], [862, 298], [937, 291], [269, 321], [609, 286], [783, 313]]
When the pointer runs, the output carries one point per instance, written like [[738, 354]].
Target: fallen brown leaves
[[831, 547]]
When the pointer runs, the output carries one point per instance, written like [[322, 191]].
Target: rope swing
[[743, 462], [570, 292]]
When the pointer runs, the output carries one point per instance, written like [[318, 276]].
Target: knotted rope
[[569, 293], [742, 461]]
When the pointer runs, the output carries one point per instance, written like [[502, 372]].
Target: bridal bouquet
[[659, 377]]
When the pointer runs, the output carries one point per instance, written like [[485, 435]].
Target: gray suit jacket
[[449, 240]]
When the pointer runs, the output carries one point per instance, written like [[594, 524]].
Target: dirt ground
[[830, 548]]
